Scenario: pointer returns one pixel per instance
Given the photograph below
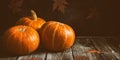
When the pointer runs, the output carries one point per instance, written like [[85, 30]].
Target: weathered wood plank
[[82, 45], [66, 55], [38, 56], [106, 51], [113, 43]]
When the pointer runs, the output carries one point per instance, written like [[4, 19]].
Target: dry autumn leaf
[[93, 51], [60, 5]]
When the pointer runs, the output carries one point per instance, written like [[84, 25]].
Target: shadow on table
[[4, 53]]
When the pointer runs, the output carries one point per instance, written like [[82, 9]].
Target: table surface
[[84, 48]]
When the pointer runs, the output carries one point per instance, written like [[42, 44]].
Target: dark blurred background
[[87, 17]]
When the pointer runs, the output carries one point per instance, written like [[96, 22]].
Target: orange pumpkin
[[33, 21], [20, 40], [56, 36]]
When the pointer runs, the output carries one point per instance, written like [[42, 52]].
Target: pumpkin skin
[[21, 40], [56, 36], [33, 21]]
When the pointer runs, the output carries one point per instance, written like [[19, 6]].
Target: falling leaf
[[60, 5]]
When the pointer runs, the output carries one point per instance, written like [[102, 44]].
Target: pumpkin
[[20, 40], [56, 36], [33, 21]]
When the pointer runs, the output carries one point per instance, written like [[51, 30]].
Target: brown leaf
[[61, 8], [64, 1], [60, 5], [93, 51], [54, 6]]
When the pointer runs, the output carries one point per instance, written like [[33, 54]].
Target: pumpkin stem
[[34, 16]]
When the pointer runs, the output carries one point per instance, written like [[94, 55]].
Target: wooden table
[[84, 48]]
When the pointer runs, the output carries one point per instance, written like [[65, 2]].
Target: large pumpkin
[[20, 40], [56, 36], [32, 21]]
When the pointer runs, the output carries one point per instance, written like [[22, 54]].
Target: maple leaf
[[60, 5]]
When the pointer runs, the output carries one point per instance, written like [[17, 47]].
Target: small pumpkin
[[20, 40], [56, 36], [33, 21]]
